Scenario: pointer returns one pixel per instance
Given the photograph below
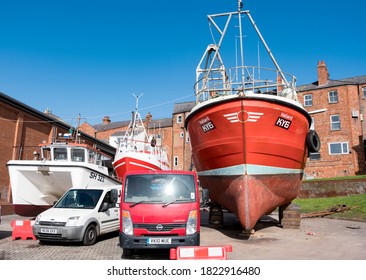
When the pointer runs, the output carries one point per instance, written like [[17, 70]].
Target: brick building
[[337, 108], [22, 129], [181, 148]]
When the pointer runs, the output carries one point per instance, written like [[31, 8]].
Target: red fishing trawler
[[250, 136]]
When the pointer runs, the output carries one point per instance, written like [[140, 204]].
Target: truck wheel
[[90, 235], [127, 252]]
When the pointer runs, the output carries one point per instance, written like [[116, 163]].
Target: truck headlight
[[72, 221], [192, 223], [127, 226]]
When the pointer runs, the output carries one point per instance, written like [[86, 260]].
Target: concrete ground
[[316, 239]]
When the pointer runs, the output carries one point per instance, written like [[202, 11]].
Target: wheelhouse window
[[46, 153], [340, 148], [308, 100], [333, 96], [78, 155], [60, 153], [91, 156], [335, 122]]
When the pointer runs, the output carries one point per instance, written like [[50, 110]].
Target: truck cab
[[80, 215], [159, 209]]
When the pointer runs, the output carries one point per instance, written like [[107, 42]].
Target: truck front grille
[[159, 227]]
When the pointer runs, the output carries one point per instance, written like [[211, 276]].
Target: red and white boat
[[139, 151], [250, 136]]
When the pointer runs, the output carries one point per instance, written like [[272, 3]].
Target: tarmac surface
[[316, 239]]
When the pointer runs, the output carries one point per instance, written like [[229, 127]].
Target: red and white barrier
[[22, 229], [200, 252]]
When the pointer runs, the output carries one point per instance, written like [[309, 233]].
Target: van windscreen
[[79, 198]]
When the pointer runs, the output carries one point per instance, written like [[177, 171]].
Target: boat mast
[[267, 48], [135, 113], [240, 5], [77, 129]]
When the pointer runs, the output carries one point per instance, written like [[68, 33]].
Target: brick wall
[[20, 134], [332, 188]]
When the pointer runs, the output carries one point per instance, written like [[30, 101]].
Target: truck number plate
[[49, 230], [159, 241]]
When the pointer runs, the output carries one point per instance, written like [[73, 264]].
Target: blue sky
[[89, 57]]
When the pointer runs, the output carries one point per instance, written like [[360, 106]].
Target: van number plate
[[49, 230], [159, 241]]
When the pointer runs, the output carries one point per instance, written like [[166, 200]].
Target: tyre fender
[[313, 141]]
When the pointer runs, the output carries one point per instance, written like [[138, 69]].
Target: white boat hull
[[36, 185]]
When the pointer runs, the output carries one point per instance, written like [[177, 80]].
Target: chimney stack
[[323, 75], [106, 120], [148, 118]]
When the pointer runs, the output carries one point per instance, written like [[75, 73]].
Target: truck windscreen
[[169, 188]]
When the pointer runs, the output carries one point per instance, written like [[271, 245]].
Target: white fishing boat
[[36, 184], [138, 150]]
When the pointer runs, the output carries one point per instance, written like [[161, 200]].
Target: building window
[[179, 119], [175, 161], [364, 92], [187, 137], [335, 122], [312, 125], [333, 96], [338, 148], [314, 156], [181, 134], [308, 100]]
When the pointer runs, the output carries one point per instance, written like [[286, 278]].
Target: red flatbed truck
[[159, 209]]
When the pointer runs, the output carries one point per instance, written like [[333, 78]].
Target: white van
[[80, 215]]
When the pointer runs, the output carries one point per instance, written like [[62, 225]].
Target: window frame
[[344, 146], [305, 100], [175, 161], [331, 98], [333, 123]]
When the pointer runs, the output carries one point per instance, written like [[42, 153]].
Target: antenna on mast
[[240, 5], [137, 100], [135, 114]]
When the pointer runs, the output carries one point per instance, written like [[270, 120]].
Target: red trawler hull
[[249, 152]]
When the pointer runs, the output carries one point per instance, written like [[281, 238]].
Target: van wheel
[[90, 235]]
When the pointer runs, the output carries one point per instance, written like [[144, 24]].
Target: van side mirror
[[114, 196], [104, 207]]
